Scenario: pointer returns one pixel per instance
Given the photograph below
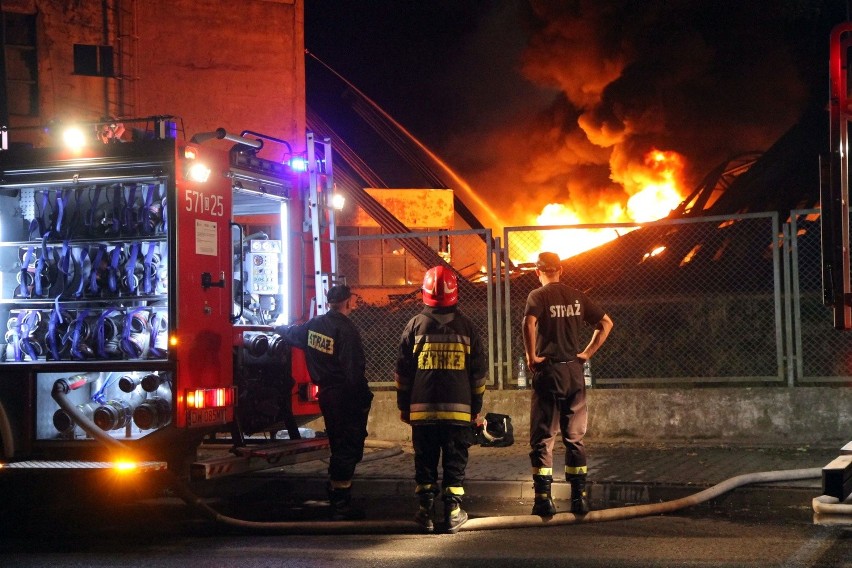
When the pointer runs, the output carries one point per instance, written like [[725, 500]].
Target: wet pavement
[[619, 473]]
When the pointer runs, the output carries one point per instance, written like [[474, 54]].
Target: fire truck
[[140, 282]]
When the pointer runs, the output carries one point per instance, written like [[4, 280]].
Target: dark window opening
[[21, 64], [93, 60]]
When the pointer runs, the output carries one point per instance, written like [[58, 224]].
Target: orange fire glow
[[568, 242], [659, 192], [654, 188]]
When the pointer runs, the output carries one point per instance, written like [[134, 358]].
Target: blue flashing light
[[298, 164]]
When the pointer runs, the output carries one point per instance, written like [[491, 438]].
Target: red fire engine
[[140, 283]]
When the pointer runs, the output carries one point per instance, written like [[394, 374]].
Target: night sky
[[440, 67], [559, 101]]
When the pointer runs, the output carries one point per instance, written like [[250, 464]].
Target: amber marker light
[[124, 466]]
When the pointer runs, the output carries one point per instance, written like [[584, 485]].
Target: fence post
[[787, 276], [498, 337], [507, 306]]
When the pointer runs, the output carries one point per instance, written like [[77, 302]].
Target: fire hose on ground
[[184, 491], [827, 505]]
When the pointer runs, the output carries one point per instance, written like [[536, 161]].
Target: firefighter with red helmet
[[440, 379], [552, 319], [335, 358]]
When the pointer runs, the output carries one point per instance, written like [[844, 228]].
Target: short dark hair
[[338, 294], [548, 262]]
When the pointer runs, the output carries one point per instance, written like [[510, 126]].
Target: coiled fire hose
[[183, 490]]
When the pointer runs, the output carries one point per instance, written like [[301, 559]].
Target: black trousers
[[558, 405], [448, 443], [346, 427]]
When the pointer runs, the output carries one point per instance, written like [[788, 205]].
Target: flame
[[650, 202], [654, 189], [658, 193], [568, 242]]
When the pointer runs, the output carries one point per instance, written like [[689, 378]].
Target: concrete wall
[[759, 416]]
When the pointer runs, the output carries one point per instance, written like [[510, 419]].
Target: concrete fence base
[[762, 416]]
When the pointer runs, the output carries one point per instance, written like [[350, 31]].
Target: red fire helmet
[[440, 287]]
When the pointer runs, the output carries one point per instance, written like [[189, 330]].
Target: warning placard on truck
[[205, 238]]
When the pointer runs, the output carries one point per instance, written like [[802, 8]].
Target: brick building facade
[[236, 65]]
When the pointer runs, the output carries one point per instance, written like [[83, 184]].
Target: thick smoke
[[706, 80]]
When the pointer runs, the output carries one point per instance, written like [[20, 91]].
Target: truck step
[[260, 456], [45, 465]]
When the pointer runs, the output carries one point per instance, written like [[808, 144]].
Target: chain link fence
[[386, 278], [693, 300], [712, 301], [820, 353]]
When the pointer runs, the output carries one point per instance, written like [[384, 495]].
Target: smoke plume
[[699, 81]]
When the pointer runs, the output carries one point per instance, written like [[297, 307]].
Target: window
[[381, 262], [95, 60], [19, 51]]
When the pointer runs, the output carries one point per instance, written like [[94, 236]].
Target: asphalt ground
[[498, 484], [620, 474]]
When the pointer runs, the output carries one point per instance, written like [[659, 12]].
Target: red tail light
[[210, 398]]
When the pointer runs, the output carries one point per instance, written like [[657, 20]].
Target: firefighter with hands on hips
[[335, 358], [552, 319], [440, 379]]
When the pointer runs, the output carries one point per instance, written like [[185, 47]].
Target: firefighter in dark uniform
[[335, 358], [440, 379], [552, 319]]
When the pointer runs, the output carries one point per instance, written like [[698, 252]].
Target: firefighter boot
[[426, 511], [579, 499], [454, 515], [543, 506], [341, 507]]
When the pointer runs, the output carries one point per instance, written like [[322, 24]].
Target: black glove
[[281, 330]]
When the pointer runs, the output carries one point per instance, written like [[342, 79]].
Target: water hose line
[[633, 511], [827, 505], [183, 490]]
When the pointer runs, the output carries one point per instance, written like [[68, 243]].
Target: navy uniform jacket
[[441, 368], [333, 351]]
